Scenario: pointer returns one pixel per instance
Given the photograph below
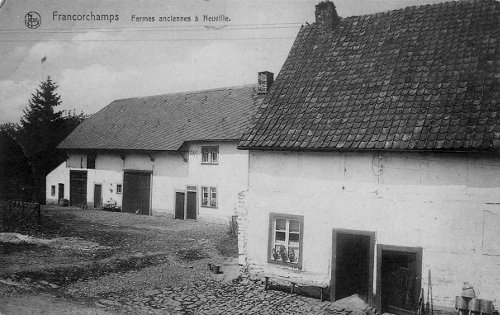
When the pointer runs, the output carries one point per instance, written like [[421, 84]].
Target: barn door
[[179, 204], [97, 196], [136, 192], [77, 188]]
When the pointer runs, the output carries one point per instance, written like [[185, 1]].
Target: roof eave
[[480, 151]]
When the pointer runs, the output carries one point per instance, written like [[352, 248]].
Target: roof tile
[[403, 79], [165, 122]]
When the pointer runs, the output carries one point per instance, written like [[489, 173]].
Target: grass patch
[[228, 246]]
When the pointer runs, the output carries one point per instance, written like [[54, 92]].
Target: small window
[[209, 197], [91, 161], [210, 155], [118, 188], [52, 190], [285, 240]]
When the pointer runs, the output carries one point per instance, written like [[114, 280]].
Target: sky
[[121, 52]]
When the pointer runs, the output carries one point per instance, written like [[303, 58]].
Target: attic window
[[91, 161], [210, 155]]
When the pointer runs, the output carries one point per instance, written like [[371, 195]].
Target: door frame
[[150, 172], [191, 188], [100, 184], [371, 235], [59, 190], [405, 249], [175, 202]]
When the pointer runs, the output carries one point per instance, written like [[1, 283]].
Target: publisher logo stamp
[[32, 20]]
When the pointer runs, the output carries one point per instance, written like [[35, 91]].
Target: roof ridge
[[186, 92], [412, 7]]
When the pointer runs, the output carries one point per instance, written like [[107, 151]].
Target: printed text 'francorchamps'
[[56, 16]]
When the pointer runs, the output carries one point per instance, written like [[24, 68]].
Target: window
[[210, 155], [91, 161], [209, 197], [118, 188], [52, 190], [285, 239]]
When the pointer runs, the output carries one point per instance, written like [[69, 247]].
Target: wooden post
[[38, 208]]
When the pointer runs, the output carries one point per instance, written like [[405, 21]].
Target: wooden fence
[[19, 210]]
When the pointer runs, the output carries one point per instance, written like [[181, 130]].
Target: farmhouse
[[173, 153], [374, 158]]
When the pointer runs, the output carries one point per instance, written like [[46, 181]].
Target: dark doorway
[[97, 196], [136, 192], [179, 204], [78, 188], [60, 193], [352, 270], [191, 205], [400, 271]]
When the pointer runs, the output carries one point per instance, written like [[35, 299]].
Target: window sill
[[285, 264], [209, 207], [208, 163]]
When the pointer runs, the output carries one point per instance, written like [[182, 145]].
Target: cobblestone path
[[214, 297]]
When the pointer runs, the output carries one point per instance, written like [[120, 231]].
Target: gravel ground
[[143, 265]]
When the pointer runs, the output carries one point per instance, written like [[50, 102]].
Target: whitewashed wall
[[168, 169], [59, 175], [172, 171], [447, 204], [230, 175]]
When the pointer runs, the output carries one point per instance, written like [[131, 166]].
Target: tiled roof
[[165, 122], [419, 78]]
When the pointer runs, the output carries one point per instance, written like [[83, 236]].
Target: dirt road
[[78, 258]]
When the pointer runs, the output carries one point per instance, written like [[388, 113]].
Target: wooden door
[[191, 205], [78, 188], [179, 204], [400, 271], [60, 193], [136, 192], [352, 264], [97, 196]]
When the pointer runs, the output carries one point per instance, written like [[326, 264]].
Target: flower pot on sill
[[284, 257]]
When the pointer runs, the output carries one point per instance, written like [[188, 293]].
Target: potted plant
[[283, 253], [291, 255], [276, 256]]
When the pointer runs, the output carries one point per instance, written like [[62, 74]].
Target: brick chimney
[[326, 16], [264, 81]]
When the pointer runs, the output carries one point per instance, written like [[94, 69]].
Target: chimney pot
[[326, 16], [264, 81]]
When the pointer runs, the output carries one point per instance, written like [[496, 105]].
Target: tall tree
[[40, 119], [41, 129]]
